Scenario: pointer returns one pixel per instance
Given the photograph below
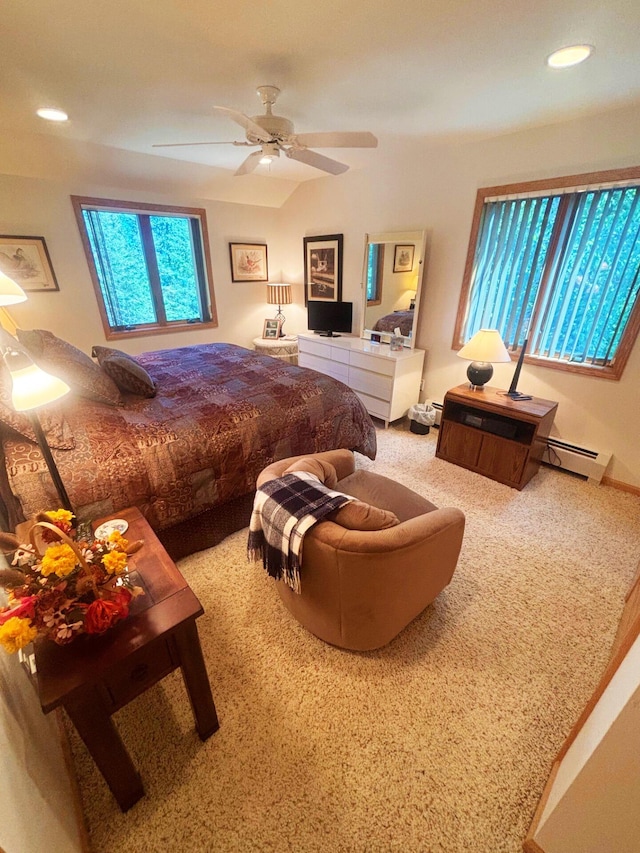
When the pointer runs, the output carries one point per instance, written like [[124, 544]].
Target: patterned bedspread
[[221, 415], [398, 319]]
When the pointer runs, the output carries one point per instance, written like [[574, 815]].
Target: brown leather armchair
[[361, 588]]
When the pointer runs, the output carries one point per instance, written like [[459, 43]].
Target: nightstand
[[285, 348]]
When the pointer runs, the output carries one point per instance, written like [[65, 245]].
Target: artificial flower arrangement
[[68, 588]]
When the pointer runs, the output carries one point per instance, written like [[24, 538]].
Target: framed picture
[[249, 262], [403, 258], [272, 329], [26, 260], [323, 268]]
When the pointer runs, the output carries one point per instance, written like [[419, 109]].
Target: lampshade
[[10, 292], [279, 294], [32, 387], [485, 345]]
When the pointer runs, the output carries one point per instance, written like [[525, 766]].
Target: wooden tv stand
[[487, 432]]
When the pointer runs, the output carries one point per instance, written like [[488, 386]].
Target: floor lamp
[[33, 388]]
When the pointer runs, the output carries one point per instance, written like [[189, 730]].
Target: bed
[[189, 456], [402, 320]]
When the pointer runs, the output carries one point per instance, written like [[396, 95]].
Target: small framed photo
[[403, 258], [323, 268], [271, 330], [26, 260], [249, 262]]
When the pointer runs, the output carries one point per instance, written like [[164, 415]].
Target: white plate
[[106, 529]]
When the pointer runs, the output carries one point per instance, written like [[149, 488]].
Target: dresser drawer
[[375, 407], [139, 671], [314, 347], [374, 363], [371, 383], [324, 365]]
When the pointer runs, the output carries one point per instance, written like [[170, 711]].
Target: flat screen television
[[329, 318]]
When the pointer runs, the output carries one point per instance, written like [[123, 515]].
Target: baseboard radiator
[[590, 464]]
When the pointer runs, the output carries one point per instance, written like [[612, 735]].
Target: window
[[375, 267], [150, 266], [557, 263]]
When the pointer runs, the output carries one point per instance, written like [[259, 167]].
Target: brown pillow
[[69, 363], [324, 471], [355, 515], [125, 371]]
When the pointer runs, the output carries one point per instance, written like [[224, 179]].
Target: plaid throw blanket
[[283, 510]]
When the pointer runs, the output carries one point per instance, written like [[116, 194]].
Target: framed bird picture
[[26, 260]]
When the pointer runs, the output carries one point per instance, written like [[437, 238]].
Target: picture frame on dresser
[[323, 268]]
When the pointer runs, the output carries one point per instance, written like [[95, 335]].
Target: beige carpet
[[442, 741]]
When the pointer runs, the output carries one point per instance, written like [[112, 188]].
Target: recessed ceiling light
[[52, 114], [567, 56]]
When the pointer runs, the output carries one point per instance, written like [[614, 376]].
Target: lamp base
[[479, 373]]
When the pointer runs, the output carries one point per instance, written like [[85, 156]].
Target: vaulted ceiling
[[132, 73]]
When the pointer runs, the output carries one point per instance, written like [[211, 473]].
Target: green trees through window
[[560, 267], [149, 265]]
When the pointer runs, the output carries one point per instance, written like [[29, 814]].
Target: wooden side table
[[93, 677], [487, 432], [285, 348]]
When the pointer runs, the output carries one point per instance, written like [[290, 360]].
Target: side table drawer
[[139, 671]]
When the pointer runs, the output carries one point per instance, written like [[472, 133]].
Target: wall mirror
[[392, 284]]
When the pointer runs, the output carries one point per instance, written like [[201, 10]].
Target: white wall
[[37, 802], [35, 206], [433, 186]]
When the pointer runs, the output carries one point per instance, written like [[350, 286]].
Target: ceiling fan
[[272, 134]]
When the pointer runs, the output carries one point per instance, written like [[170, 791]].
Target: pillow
[[69, 363], [125, 371], [355, 515], [324, 471]]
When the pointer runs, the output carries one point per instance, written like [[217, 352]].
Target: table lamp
[[279, 294], [32, 388], [485, 347]]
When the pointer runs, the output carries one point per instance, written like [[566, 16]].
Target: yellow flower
[[16, 634], [59, 560], [61, 515], [115, 562], [118, 539]]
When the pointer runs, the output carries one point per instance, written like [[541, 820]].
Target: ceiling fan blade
[[181, 144], [349, 139], [318, 161], [244, 121], [249, 164]]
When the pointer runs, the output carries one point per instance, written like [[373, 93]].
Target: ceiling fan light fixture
[[568, 56], [52, 114], [270, 152]]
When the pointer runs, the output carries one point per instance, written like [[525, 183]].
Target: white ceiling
[[131, 73]]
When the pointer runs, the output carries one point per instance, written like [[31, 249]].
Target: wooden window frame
[[202, 262], [613, 370]]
